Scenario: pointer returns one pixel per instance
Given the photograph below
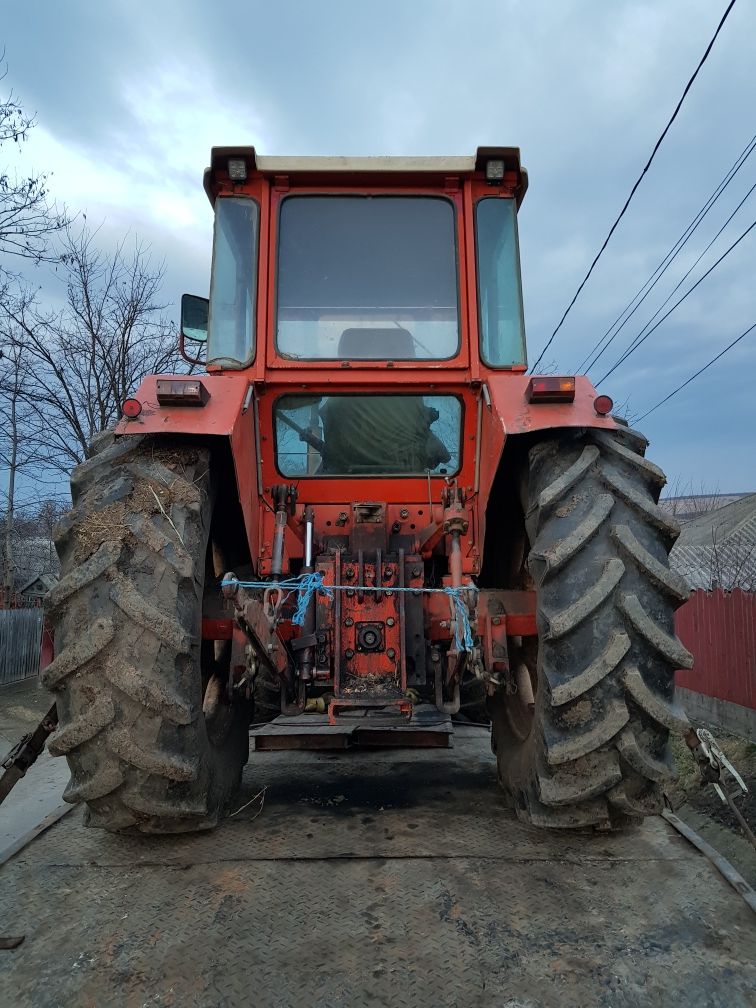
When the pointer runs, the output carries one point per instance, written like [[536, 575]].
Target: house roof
[[718, 549], [46, 583], [687, 506]]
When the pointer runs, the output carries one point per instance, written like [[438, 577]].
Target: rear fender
[[228, 413], [506, 413]]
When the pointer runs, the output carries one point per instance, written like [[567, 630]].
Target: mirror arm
[[184, 354]]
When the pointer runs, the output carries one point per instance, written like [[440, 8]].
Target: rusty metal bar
[[721, 863]]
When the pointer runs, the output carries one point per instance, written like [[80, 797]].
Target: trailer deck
[[372, 878]]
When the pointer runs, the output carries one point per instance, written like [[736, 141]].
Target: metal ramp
[[385, 879]]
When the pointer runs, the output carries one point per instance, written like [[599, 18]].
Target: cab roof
[[342, 165]]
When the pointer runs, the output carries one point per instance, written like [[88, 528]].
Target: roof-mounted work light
[[237, 169], [494, 171]]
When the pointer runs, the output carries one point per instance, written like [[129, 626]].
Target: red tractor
[[365, 519]]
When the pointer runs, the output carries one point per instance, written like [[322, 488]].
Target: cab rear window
[[367, 278], [367, 435]]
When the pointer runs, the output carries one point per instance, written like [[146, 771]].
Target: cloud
[[131, 103]]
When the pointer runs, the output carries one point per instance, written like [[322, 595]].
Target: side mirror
[[194, 313], [194, 317]]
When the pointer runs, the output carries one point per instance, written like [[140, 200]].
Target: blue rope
[[463, 638], [307, 584]]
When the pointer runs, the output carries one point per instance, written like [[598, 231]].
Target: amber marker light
[[551, 390], [131, 408], [603, 404]]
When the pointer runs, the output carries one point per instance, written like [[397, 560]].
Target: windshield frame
[[461, 358]]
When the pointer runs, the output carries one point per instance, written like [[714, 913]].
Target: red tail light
[[131, 408], [548, 390], [603, 405]]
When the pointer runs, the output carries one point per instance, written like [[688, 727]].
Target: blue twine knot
[[308, 584], [462, 630]]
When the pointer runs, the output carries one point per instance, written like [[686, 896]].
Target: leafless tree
[[732, 561], [28, 217], [624, 412], [32, 549], [548, 367], [90, 355], [687, 501], [19, 444]]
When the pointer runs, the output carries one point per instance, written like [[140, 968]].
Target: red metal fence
[[720, 629]]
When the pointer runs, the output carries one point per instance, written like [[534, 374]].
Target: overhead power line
[[622, 212], [699, 372], [643, 335], [640, 296]]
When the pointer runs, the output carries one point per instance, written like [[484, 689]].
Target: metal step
[[427, 728]]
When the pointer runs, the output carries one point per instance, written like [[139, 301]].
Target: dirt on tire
[[127, 614], [596, 749]]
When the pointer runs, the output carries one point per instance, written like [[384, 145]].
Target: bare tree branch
[[19, 446], [28, 216], [91, 354]]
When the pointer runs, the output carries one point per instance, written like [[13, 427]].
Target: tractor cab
[[363, 259]]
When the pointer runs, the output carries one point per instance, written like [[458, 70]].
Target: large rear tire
[[127, 673], [593, 751]]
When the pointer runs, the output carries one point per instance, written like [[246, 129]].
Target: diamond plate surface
[[377, 880]]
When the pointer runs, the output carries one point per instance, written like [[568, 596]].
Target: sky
[[130, 96]]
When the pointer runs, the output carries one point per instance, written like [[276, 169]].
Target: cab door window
[[500, 314]]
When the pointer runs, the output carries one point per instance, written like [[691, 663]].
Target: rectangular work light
[[494, 170], [551, 389], [237, 169]]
